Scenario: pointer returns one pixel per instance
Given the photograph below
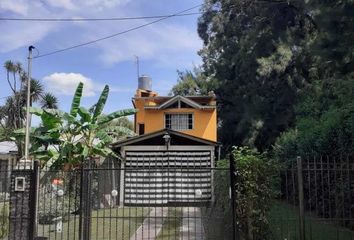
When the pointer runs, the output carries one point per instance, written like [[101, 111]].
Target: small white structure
[[8, 159], [165, 167]]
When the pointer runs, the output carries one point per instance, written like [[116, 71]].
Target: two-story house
[[170, 159]]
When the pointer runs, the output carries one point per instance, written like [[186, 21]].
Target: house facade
[[192, 115], [170, 160], [8, 159]]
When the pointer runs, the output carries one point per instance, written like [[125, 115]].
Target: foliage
[[286, 146], [49, 101], [12, 114], [255, 175], [70, 138], [218, 216], [257, 52], [51, 206], [334, 46], [267, 59], [325, 121], [191, 83], [119, 128]]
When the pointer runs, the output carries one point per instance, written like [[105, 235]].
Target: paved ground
[[192, 227], [152, 225]]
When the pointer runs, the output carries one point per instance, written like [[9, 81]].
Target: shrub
[[286, 146], [255, 175], [217, 216], [52, 206], [324, 121]]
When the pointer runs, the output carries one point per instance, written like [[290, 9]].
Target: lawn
[[284, 224], [106, 224], [172, 224], [4, 219]]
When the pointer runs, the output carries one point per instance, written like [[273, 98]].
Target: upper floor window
[[179, 121]]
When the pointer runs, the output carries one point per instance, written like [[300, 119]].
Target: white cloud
[[20, 35], [14, 6], [66, 83], [101, 4], [62, 4], [79, 5], [167, 44], [23, 34]]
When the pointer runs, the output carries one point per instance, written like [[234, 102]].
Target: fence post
[[85, 201], [23, 201], [232, 195], [33, 205], [301, 198]]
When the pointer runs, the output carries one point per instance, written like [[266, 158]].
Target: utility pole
[[28, 115]]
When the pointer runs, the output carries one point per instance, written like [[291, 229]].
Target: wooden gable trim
[[178, 99], [160, 133]]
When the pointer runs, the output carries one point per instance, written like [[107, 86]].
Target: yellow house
[[192, 115], [170, 161]]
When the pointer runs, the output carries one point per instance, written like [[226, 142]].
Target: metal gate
[[157, 195]]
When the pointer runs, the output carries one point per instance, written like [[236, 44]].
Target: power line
[[117, 18], [116, 34], [94, 19]]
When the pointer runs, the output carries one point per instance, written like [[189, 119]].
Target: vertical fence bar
[[232, 194], [81, 199], [85, 202], [88, 200], [301, 199], [34, 201]]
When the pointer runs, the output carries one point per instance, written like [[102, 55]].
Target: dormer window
[[179, 121]]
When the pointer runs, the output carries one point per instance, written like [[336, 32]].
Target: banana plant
[[75, 136]]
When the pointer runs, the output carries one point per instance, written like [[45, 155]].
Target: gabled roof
[[179, 99], [174, 134]]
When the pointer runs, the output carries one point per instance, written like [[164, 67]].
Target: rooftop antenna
[[137, 65]]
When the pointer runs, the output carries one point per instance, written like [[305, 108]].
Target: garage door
[[162, 177]]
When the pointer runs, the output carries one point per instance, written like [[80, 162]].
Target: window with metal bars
[[179, 121]]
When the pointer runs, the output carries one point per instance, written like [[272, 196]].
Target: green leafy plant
[[324, 122], [51, 206], [12, 115], [82, 134], [255, 178]]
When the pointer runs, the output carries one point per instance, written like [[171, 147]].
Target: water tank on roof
[[145, 83]]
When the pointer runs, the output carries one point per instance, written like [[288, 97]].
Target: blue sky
[[162, 48]]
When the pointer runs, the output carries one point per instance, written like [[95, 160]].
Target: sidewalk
[[152, 225], [192, 226]]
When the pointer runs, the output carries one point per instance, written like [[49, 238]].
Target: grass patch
[[171, 226], [284, 223], [106, 224], [4, 219]]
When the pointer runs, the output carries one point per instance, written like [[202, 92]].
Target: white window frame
[[182, 113]]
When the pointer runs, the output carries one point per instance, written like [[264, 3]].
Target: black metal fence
[[5, 171], [110, 202], [315, 199]]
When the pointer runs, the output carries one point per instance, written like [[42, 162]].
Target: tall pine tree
[[258, 53]]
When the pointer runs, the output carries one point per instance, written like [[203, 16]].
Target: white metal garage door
[[162, 177]]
